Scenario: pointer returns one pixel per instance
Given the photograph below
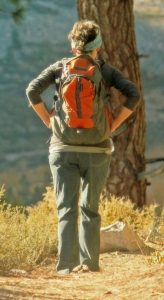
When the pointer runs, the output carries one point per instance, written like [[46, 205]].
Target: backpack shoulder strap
[[64, 62]]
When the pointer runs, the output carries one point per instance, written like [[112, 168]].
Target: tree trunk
[[116, 20]]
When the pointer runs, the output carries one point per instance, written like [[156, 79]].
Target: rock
[[121, 237]]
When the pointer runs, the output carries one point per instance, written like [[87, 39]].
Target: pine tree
[[116, 20]]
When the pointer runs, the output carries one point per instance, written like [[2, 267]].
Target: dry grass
[[123, 209], [29, 235], [143, 221]]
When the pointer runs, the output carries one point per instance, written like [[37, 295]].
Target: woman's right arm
[[36, 87]]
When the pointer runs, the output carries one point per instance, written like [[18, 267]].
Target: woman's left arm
[[114, 78]]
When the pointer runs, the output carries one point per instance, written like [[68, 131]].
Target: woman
[[79, 169]]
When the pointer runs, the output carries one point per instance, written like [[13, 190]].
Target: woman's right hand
[[51, 114]]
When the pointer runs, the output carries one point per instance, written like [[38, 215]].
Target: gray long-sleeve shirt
[[112, 77]]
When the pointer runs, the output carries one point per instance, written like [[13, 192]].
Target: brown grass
[[29, 235], [123, 209]]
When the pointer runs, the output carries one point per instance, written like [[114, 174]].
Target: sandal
[[85, 268], [81, 269], [77, 269]]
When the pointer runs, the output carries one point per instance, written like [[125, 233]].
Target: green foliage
[[18, 14], [15, 8]]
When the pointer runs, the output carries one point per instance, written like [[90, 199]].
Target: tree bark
[[116, 20]]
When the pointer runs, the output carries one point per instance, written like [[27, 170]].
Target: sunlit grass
[[123, 209], [28, 235]]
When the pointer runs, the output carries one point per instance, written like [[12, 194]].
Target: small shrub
[[115, 209], [27, 235], [156, 257]]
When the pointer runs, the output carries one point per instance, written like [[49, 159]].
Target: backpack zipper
[[79, 88]]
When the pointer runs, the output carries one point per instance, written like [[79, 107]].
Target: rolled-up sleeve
[[115, 78]]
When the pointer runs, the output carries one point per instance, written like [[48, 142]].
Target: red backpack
[[82, 114]]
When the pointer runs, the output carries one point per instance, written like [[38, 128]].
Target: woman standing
[[79, 168]]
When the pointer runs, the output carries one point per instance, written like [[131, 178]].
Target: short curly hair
[[83, 32]]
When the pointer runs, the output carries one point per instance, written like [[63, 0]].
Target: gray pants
[[78, 182]]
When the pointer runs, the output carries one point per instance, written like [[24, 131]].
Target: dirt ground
[[122, 276]]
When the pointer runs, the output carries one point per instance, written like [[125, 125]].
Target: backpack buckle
[[57, 106]]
